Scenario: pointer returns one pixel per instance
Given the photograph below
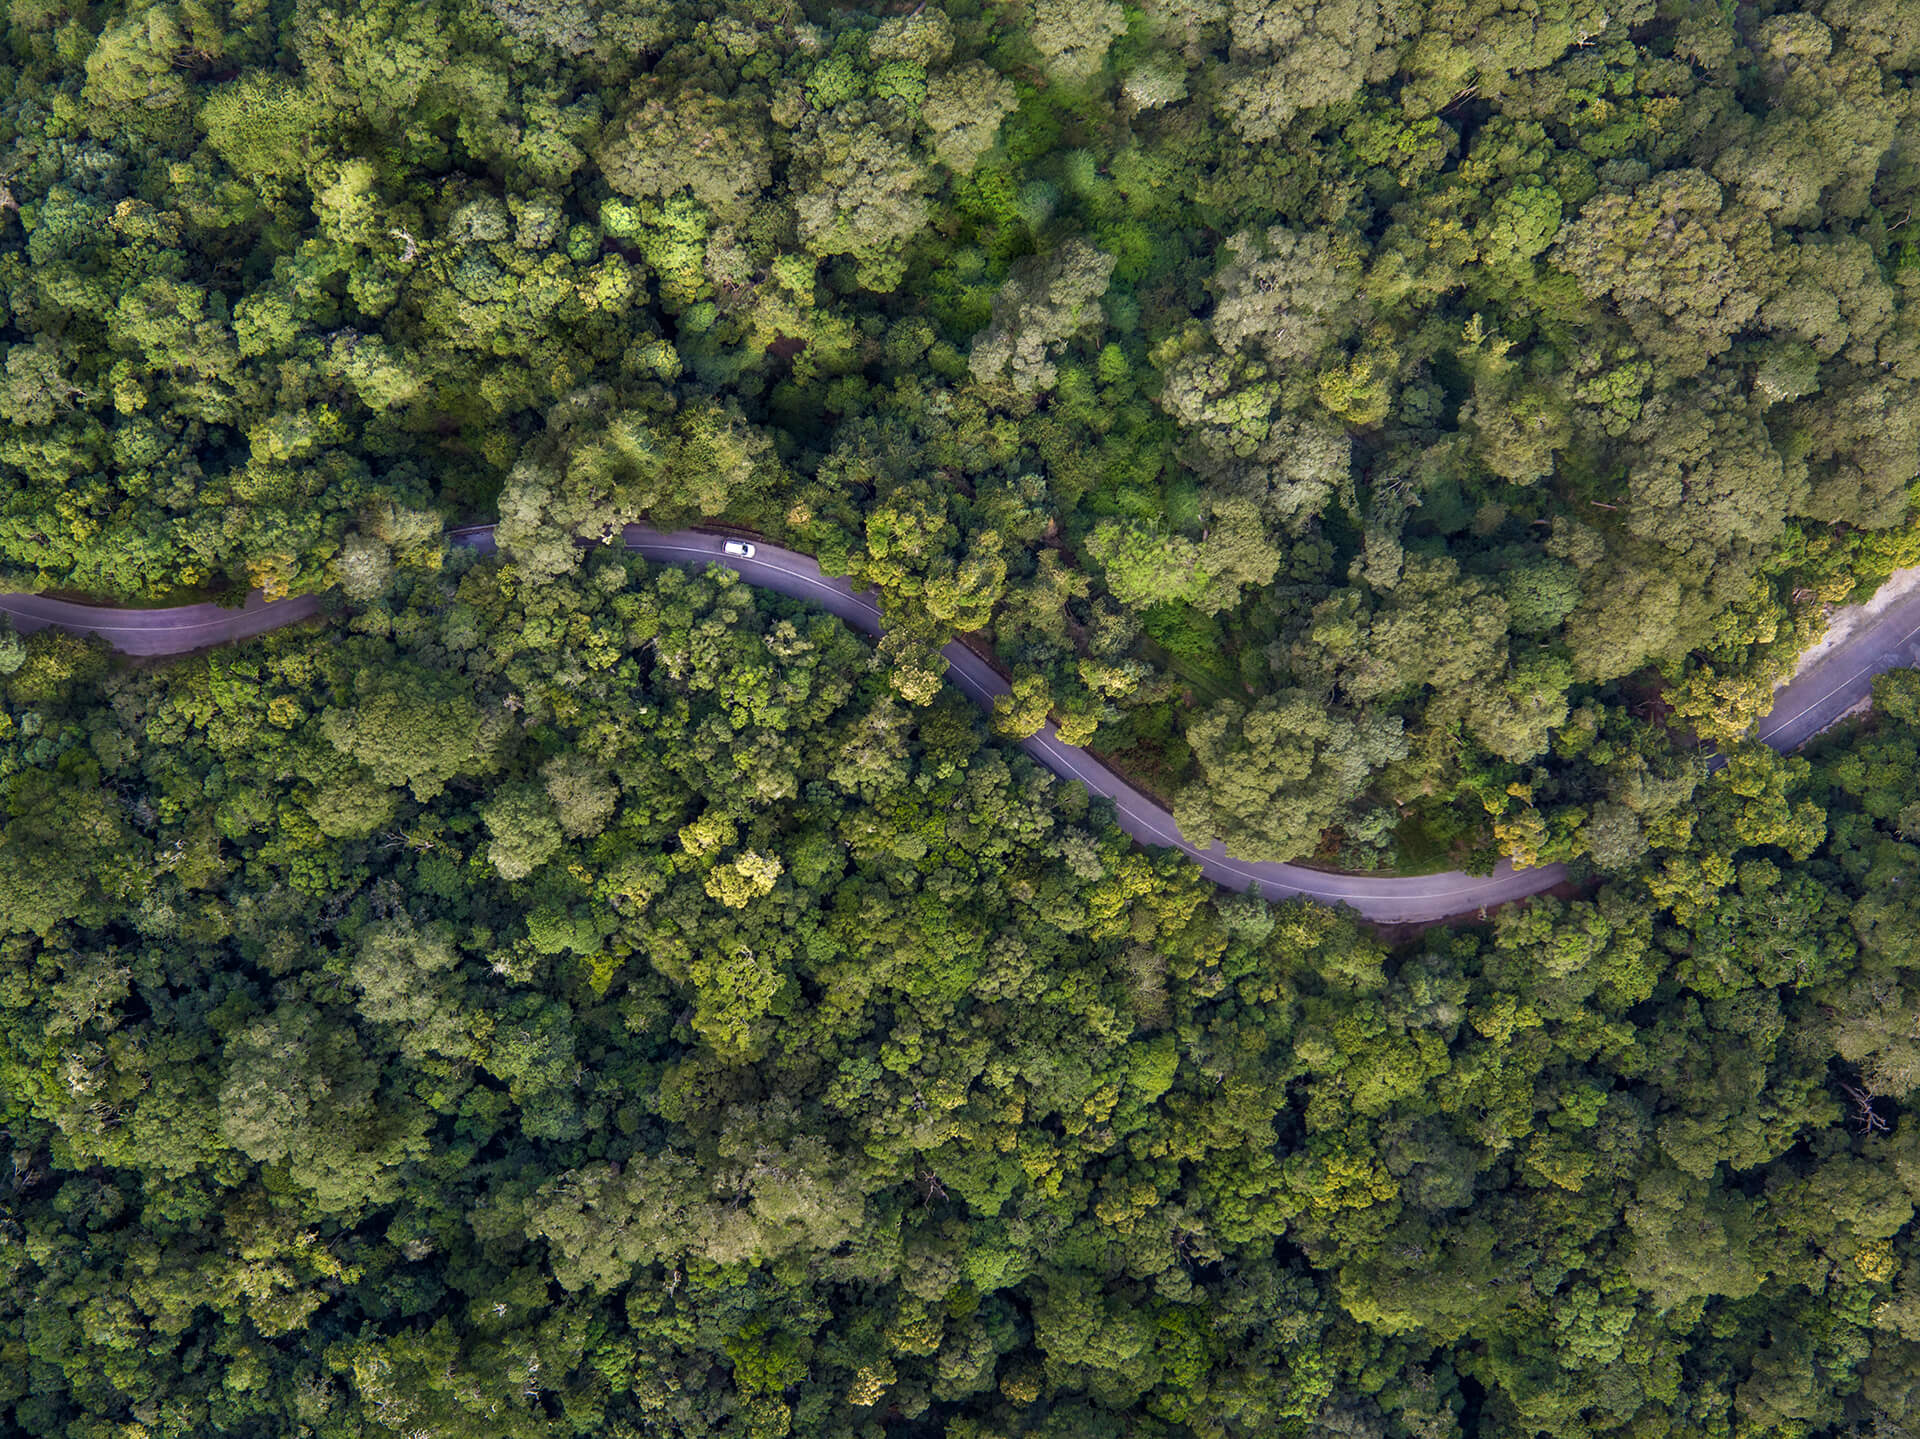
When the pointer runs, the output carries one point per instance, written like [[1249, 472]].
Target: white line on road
[[1763, 730]]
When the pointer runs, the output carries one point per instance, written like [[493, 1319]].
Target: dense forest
[[607, 1008], [1385, 381], [552, 996]]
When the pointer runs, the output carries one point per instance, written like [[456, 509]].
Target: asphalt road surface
[[1843, 677], [1812, 702], [173, 631]]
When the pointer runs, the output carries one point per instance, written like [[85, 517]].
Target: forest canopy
[[1454, 366], [607, 1008], [551, 996]]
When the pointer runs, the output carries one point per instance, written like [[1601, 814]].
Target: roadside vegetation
[[607, 1008], [1439, 368], [553, 997]]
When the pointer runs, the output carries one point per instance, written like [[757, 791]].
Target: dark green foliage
[[1242, 308], [714, 1045], [567, 1001]]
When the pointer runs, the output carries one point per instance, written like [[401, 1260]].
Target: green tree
[[1687, 271], [526, 833], [860, 189], [1073, 39], [675, 139], [1287, 57], [1285, 295], [964, 108], [1047, 302], [415, 728], [1274, 775]]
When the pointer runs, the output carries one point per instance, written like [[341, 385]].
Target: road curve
[[1812, 702], [174, 631]]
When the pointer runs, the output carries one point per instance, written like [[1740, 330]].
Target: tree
[[526, 832], [1434, 627], [964, 108], [1046, 302], [1273, 776], [1634, 607], [363, 567], [583, 793], [860, 188], [1073, 39], [1831, 299], [1287, 57], [302, 1094], [1690, 1240], [1517, 719], [1856, 440], [1687, 270], [1517, 424], [1287, 294], [1146, 568], [404, 973], [1243, 441], [62, 852], [1704, 474], [1540, 594], [683, 138], [264, 125], [1024, 710], [603, 465], [415, 728], [1824, 132], [133, 73]]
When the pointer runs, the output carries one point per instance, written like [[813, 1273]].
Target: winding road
[[1827, 690]]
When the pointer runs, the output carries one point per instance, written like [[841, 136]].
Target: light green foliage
[[583, 793], [133, 72], [1024, 710], [1522, 224], [1145, 568], [1518, 424], [1073, 38], [922, 37], [1160, 81], [561, 998], [860, 189], [1687, 270], [412, 728], [1705, 474], [1290, 467], [1284, 295], [405, 977], [1046, 302], [964, 108], [363, 567], [716, 149], [1288, 56], [1276, 774], [1434, 627], [263, 125], [526, 831]]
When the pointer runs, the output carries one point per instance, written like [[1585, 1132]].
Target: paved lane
[[1841, 680], [1843, 677], [173, 631]]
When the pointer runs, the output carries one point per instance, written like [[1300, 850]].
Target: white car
[[737, 550]]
